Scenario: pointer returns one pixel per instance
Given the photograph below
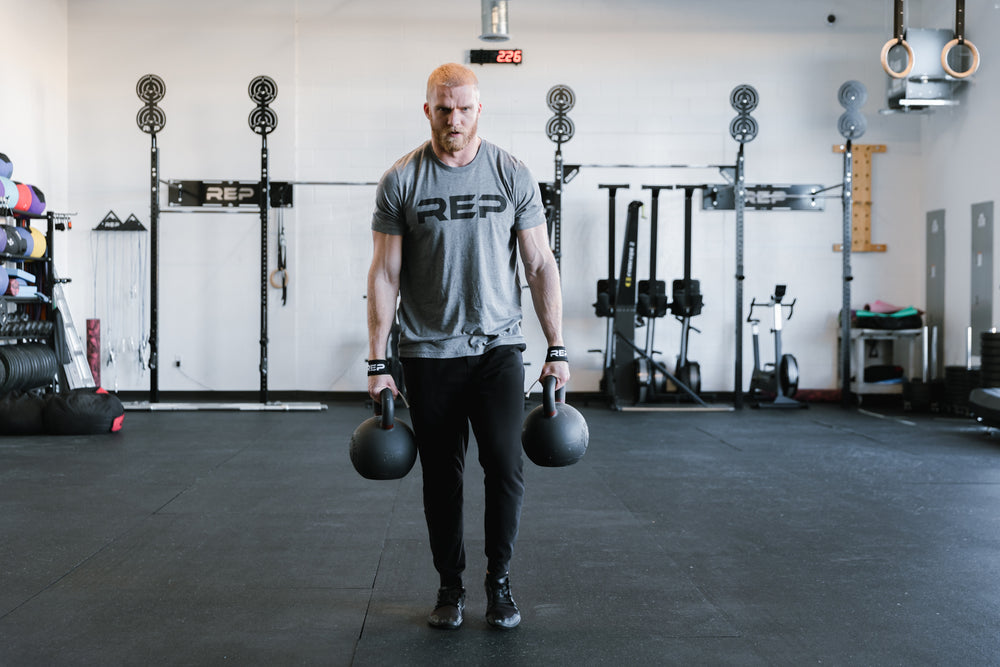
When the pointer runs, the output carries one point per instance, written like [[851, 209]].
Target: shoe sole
[[502, 626], [445, 626]]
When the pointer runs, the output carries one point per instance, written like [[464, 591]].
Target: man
[[450, 218]]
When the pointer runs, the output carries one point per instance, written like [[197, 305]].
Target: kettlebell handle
[[550, 396], [386, 408]]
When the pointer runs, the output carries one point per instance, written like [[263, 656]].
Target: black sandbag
[[83, 412], [21, 414]]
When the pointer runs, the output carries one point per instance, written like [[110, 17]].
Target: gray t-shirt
[[460, 294]]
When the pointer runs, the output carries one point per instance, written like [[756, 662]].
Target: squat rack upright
[[262, 120]]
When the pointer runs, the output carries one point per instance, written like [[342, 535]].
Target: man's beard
[[453, 144]]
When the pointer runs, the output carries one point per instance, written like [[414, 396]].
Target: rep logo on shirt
[[459, 207]]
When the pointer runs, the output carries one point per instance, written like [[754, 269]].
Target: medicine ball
[[554, 433], [38, 202], [25, 197], [383, 447], [14, 243], [9, 192], [40, 243], [27, 241]]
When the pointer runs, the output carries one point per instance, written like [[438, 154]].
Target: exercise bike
[[781, 378]]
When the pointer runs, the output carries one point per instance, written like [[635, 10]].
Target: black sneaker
[[447, 615], [501, 610]]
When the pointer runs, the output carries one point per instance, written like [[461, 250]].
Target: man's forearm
[[546, 297]]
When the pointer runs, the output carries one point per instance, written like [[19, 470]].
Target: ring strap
[[898, 20], [960, 21]]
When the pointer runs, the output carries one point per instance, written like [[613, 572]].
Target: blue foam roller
[[6, 166]]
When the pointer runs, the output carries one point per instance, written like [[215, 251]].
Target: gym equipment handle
[[386, 408]]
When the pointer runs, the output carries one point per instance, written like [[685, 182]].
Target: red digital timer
[[491, 56]]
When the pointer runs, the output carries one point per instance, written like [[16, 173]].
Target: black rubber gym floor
[[819, 536]]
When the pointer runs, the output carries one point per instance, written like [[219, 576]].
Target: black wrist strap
[[556, 353], [378, 367]]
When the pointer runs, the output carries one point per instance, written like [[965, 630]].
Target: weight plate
[[263, 120], [744, 98], [852, 124], [743, 128], [852, 94], [263, 90], [561, 99], [150, 88], [560, 129], [151, 119]]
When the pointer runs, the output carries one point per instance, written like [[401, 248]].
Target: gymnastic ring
[[975, 58], [885, 58], [284, 279]]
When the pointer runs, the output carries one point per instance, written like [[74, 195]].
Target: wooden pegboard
[[861, 192]]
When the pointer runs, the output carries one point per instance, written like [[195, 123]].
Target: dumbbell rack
[[8, 330], [45, 326]]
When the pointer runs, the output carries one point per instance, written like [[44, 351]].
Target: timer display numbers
[[496, 56]]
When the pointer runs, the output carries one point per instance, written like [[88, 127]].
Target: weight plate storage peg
[[852, 95], [150, 88], [383, 447], [263, 90], [743, 128], [554, 434], [560, 129], [151, 119], [263, 120], [744, 98], [561, 99], [852, 124]]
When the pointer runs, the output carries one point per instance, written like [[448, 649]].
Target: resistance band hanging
[[960, 40], [282, 269], [898, 39]]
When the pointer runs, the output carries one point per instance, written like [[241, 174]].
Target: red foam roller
[[94, 349]]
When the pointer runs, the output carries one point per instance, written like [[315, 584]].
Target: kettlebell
[[383, 447], [554, 433]]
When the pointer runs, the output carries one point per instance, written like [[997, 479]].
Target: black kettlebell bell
[[383, 447], [554, 433]]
